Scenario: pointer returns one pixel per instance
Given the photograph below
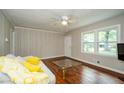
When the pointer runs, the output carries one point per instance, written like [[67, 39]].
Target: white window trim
[[95, 31], [82, 46]]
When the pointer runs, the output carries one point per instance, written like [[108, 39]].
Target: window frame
[[82, 48], [96, 36]]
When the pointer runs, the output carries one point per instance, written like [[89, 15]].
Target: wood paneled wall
[[38, 43]]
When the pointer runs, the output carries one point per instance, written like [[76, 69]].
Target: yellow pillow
[[31, 67], [33, 60], [1, 68]]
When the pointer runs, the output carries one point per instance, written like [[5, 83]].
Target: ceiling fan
[[63, 21], [66, 20]]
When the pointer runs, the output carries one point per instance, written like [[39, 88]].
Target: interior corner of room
[[23, 40]]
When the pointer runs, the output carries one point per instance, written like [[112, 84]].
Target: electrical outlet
[[98, 62]]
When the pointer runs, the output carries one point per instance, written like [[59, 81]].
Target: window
[[88, 42], [102, 41]]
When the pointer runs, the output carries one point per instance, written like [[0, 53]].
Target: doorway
[[68, 46]]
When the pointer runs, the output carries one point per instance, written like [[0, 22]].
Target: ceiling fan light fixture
[[64, 23], [65, 17]]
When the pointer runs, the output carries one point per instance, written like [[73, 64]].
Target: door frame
[[67, 45]]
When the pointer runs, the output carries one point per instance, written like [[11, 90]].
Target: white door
[[68, 46]]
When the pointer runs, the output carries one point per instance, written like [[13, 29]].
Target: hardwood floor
[[80, 74]]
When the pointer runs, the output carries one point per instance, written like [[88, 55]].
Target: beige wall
[[110, 62], [5, 30], [38, 43]]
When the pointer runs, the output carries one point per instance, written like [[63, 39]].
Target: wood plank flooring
[[81, 75]]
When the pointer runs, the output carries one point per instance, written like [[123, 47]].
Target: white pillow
[[11, 56]]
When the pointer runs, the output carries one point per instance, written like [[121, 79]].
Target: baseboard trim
[[52, 58], [105, 69]]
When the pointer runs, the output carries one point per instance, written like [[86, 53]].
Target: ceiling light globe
[[64, 22]]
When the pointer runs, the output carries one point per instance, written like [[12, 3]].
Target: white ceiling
[[44, 18]]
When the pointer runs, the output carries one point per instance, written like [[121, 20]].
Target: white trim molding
[[52, 57], [85, 61], [95, 43], [42, 30]]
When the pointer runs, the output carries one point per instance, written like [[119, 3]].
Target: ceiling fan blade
[[57, 23], [71, 17], [54, 19], [71, 21]]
